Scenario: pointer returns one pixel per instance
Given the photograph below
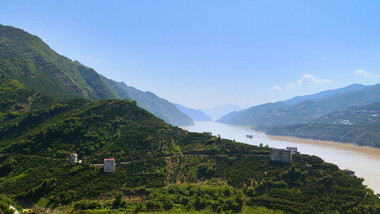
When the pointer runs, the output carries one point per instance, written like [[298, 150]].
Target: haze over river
[[363, 160]]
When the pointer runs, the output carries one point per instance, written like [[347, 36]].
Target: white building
[[73, 158], [109, 165], [292, 149]]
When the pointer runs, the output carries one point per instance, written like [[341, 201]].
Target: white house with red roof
[[109, 165], [292, 149], [73, 158]]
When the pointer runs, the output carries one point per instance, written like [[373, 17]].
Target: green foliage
[[117, 201], [35, 147], [189, 197], [161, 108], [87, 205], [359, 125], [303, 108], [159, 167], [4, 205], [29, 60], [363, 135]]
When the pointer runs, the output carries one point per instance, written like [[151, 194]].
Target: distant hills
[[27, 59], [359, 125], [195, 115], [301, 109], [219, 111], [324, 94], [300, 116], [157, 106]]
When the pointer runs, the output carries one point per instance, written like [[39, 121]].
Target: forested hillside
[[359, 125], [159, 107], [159, 167], [348, 115], [303, 109], [27, 59]]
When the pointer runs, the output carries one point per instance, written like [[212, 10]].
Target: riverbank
[[371, 151], [365, 161]]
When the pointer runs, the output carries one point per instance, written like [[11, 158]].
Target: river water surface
[[363, 160]]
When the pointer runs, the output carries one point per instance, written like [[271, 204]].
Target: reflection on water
[[363, 160]]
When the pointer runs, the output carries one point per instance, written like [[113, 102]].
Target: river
[[363, 160]]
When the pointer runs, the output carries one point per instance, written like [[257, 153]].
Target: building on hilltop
[[281, 155], [208, 133], [350, 173], [73, 158], [109, 165], [293, 150]]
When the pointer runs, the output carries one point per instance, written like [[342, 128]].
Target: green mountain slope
[[249, 117], [29, 60], [194, 114], [159, 167], [359, 125], [159, 107]]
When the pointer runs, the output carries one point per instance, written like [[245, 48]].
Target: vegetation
[[160, 168], [334, 117], [28, 60], [359, 125], [303, 109], [159, 107], [195, 115]]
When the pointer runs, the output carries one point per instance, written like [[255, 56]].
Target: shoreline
[[330, 143], [363, 160], [369, 150]]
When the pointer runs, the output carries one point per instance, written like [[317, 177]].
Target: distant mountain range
[[359, 125], [344, 115], [27, 59], [301, 109], [195, 115], [218, 112]]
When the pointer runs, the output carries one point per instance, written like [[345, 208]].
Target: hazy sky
[[209, 53]]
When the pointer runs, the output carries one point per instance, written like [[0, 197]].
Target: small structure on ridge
[[350, 173], [73, 158], [292, 149], [208, 133], [281, 155], [109, 165]]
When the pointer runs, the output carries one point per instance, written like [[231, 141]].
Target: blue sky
[[209, 53]]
